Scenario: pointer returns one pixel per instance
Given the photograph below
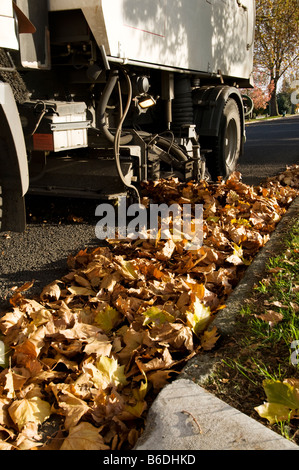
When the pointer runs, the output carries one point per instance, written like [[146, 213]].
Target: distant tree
[[261, 93], [284, 103], [259, 98], [277, 40]]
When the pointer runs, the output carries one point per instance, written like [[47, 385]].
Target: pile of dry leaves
[[91, 353]]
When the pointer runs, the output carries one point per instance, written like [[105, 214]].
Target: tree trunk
[[273, 106]]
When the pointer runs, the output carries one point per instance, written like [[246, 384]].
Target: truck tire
[[226, 147], [12, 211], [12, 201], [14, 178]]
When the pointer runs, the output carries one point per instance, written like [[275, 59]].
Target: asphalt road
[[60, 227], [270, 147]]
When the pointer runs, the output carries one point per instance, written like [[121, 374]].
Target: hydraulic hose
[[112, 81], [178, 153], [118, 140]]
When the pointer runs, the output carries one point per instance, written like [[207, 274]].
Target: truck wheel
[[226, 149], [12, 211], [1, 211]]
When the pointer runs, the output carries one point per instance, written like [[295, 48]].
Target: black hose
[[177, 152], [112, 81]]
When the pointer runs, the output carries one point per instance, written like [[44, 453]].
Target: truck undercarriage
[[97, 126]]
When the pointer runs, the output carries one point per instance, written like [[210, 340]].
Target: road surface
[[270, 146], [55, 229]]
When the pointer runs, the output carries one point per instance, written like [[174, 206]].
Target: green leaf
[[283, 400], [156, 315], [282, 393]]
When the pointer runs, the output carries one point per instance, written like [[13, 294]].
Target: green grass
[[261, 350], [281, 289]]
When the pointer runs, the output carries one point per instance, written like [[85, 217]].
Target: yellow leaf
[[274, 412], [107, 319], [140, 393], [198, 316], [32, 410], [137, 409], [112, 373]]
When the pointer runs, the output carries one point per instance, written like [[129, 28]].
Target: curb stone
[[185, 416], [261, 120]]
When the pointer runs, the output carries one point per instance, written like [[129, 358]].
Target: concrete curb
[[263, 121], [184, 416], [187, 417]]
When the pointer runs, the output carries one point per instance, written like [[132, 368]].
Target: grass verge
[[261, 362]]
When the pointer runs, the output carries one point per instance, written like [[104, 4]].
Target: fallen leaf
[[98, 345], [174, 334], [157, 316], [102, 341], [209, 339], [74, 408], [271, 317], [273, 412], [5, 445], [282, 400], [198, 316], [78, 290], [25, 411], [107, 319], [13, 382], [51, 291], [285, 393], [84, 436], [126, 268], [159, 378]]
